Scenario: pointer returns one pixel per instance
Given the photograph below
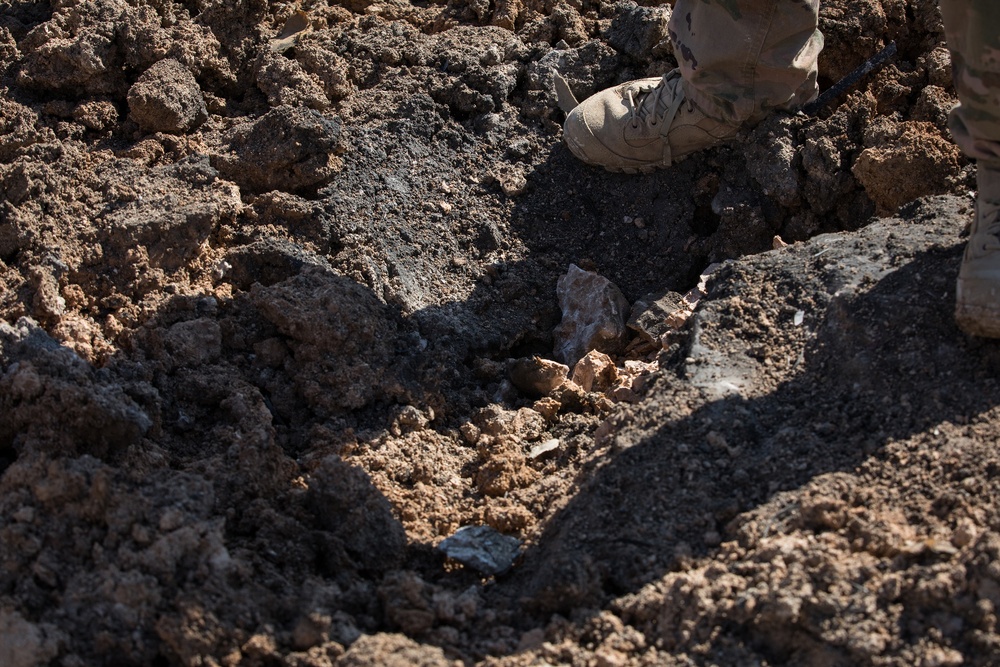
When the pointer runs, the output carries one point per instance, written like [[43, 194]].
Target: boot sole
[[978, 320]]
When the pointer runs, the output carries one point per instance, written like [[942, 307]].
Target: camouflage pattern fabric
[[741, 59], [973, 31]]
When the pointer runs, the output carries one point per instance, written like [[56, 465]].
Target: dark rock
[[288, 148], [166, 98]]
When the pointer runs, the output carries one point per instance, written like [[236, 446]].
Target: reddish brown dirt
[[259, 308]]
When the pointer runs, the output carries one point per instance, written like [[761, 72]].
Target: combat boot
[[977, 303], [642, 125]]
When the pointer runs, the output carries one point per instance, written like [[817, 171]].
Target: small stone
[[543, 448], [445, 207], [595, 372], [547, 407], [481, 548], [938, 656], [513, 183], [25, 644], [297, 25], [194, 342], [655, 314], [624, 395], [716, 439], [409, 419], [470, 432], [570, 396], [531, 640], [536, 376], [965, 533], [166, 98], [312, 629], [593, 311]]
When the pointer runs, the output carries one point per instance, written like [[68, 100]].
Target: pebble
[[537, 376], [543, 448], [482, 548]]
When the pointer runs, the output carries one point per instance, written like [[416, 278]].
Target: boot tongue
[[647, 99], [654, 103]]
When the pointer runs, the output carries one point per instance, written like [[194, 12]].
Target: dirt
[[269, 298]]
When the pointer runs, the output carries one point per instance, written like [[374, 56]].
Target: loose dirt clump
[[279, 313]]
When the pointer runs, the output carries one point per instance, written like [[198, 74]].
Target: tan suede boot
[[977, 303], [641, 125]]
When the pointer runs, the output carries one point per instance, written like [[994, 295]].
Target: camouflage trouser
[[741, 59], [973, 31]]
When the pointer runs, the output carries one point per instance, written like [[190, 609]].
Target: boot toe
[[582, 140]]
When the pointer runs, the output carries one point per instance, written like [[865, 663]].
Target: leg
[[973, 31], [739, 60]]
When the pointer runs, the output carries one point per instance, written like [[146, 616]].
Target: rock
[[640, 31], [536, 376], [650, 314], [907, 162], [166, 98], [25, 644], [543, 448], [481, 548], [593, 311], [393, 650], [288, 148], [285, 82], [194, 343], [54, 400], [595, 372]]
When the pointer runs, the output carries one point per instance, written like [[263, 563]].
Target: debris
[[543, 448], [593, 311], [513, 184], [547, 407], [777, 243], [481, 548], [640, 31], [536, 376], [800, 315], [654, 314], [595, 372], [295, 27], [965, 533], [167, 98]]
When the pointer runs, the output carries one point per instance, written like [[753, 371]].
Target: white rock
[[594, 312]]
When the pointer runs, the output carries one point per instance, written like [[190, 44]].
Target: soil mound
[[278, 300]]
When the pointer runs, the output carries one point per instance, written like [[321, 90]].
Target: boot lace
[[657, 105]]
